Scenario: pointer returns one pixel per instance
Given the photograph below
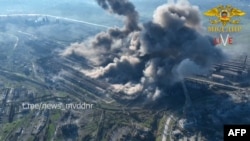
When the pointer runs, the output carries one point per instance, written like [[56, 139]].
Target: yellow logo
[[224, 14]]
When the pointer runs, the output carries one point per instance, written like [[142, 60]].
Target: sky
[[88, 10], [82, 9]]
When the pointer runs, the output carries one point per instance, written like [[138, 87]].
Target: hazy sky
[[81, 8], [88, 10]]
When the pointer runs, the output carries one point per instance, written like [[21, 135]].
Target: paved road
[[56, 17], [166, 131], [213, 83]]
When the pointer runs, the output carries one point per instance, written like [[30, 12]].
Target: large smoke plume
[[148, 59]]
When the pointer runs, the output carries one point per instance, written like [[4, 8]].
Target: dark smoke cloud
[[150, 59], [108, 44], [123, 8]]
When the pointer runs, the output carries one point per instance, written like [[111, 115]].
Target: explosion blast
[[150, 58]]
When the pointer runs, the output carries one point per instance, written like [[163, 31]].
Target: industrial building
[[231, 74]]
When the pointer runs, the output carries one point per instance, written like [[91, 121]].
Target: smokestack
[[245, 61], [187, 97]]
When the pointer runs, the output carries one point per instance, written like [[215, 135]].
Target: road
[[167, 131], [12, 35], [56, 17], [213, 83]]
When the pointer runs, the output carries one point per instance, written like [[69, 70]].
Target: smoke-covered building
[[231, 74], [235, 70]]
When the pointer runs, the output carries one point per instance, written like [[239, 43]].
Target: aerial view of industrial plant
[[123, 70]]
